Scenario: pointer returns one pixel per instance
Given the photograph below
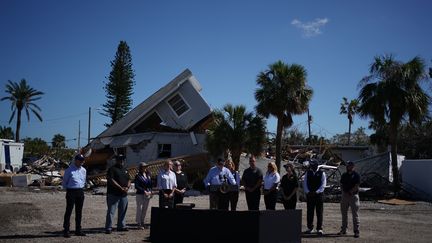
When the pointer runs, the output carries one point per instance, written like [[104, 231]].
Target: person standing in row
[[289, 186], [313, 186], [234, 195], [271, 182], [74, 180], [252, 179], [350, 182], [182, 183], [216, 177], [143, 186], [166, 183], [118, 184]]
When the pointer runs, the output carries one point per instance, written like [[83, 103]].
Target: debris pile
[[49, 171]]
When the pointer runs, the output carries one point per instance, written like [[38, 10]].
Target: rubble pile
[[50, 171]]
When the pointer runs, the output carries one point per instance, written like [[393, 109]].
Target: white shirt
[[270, 179], [166, 180]]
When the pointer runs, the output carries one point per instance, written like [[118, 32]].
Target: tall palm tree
[[350, 109], [235, 130], [391, 93], [282, 92], [22, 96]]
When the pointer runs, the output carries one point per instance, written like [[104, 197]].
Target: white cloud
[[310, 29]]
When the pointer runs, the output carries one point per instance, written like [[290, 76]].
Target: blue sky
[[64, 49]]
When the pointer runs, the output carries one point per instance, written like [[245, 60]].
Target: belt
[[74, 189]]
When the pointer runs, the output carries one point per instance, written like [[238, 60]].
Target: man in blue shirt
[[217, 176], [74, 179]]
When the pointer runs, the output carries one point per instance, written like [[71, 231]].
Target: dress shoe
[[108, 231], [80, 233], [66, 234]]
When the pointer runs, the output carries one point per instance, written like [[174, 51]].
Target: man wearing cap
[[118, 184], [74, 180], [313, 186], [216, 177], [350, 182]]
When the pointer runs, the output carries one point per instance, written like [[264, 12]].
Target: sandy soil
[[28, 215]]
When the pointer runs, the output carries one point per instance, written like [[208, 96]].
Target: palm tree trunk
[[349, 132], [279, 132], [18, 125], [393, 153], [235, 155]]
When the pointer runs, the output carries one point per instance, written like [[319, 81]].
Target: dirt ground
[[29, 215]]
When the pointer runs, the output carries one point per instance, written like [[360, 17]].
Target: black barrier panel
[[197, 225]]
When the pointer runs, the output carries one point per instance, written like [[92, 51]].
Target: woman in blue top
[[143, 186]]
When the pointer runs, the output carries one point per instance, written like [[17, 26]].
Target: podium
[[200, 225]]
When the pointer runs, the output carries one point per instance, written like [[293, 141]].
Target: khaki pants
[[142, 202], [352, 201]]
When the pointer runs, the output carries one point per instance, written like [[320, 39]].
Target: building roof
[[147, 105]]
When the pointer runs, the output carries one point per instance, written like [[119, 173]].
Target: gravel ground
[[28, 215]]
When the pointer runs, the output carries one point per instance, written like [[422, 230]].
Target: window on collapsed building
[[178, 104], [164, 150]]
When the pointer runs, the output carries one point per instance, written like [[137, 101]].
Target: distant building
[[11, 154], [169, 123]]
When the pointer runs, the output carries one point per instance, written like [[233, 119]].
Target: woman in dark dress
[[289, 186]]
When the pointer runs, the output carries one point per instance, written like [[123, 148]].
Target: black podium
[[198, 225]]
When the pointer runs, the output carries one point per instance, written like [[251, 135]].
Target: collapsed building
[[170, 123]]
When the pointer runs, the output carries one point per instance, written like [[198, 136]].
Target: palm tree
[[22, 96], [282, 93], [235, 130], [350, 109], [58, 141], [392, 93]]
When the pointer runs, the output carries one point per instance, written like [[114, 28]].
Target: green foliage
[[22, 97], [392, 93], [282, 93], [119, 87], [415, 140], [235, 130], [35, 147], [294, 137], [6, 132], [58, 141], [358, 138]]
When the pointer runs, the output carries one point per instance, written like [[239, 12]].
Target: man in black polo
[[350, 182], [118, 184], [313, 185], [252, 180]]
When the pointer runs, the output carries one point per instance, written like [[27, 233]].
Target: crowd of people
[[223, 184]]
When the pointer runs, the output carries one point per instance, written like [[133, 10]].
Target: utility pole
[[309, 123], [79, 133], [88, 133]]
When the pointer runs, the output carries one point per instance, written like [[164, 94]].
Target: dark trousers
[[233, 199], [253, 199], [270, 199], [165, 202], [315, 202], [178, 198], [74, 197], [290, 204]]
